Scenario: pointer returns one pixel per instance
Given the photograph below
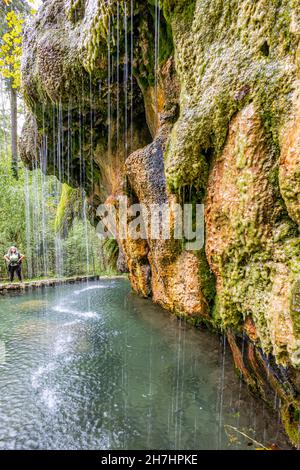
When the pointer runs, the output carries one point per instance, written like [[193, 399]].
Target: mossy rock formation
[[208, 114]]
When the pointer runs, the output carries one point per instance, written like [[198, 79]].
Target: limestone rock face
[[289, 163], [250, 262], [209, 113]]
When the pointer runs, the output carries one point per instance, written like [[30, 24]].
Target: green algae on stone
[[66, 210], [76, 10], [218, 57], [290, 414]]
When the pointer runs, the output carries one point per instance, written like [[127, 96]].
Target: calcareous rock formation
[[186, 101]]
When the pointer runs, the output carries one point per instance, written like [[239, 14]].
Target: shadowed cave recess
[[186, 101]]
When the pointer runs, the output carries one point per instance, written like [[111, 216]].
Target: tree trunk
[[14, 130]]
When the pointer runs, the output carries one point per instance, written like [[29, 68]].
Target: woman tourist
[[14, 262]]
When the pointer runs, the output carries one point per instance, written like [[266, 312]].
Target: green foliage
[[18, 6], [27, 219], [81, 250], [111, 249], [12, 215]]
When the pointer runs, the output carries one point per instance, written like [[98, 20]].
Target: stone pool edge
[[29, 285]]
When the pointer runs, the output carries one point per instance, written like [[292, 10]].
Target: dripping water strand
[[131, 74], [92, 135], [156, 52], [108, 87], [27, 223], [125, 81], [118, 74], [221, 392], [69, 150]]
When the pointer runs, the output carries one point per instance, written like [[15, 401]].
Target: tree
[[11, 20], [10, 59], [18, 6]]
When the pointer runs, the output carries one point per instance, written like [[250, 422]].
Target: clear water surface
[[92, 366]]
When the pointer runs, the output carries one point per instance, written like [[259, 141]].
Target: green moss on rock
[[69, 205], [221, 67]]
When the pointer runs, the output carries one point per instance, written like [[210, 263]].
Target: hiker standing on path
[[14, 262]]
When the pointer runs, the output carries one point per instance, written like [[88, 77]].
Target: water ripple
[[115, 373], [64, 309]]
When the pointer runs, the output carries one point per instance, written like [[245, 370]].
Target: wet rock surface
[[210, 116]]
